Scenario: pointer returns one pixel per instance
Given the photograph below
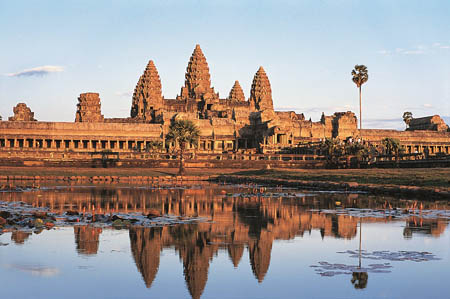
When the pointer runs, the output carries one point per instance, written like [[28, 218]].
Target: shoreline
[[375, 189], [420, 183]]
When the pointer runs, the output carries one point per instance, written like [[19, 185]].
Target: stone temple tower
[[197, 79], [236, 93], [147, 96], [89, 108], [261, 93]]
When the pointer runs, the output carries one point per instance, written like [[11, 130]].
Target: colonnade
[[91, 144]]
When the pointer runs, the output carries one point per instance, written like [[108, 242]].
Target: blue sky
[[51, 51]]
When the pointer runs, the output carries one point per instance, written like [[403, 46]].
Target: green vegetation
[[421, 177], [183, 133], [407, 116], [391, 146]]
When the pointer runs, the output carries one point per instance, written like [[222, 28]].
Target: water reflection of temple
[[249, 222], [87, 238], [424, 226], [19, 237]]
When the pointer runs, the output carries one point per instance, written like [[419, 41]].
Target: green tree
[[332, 149], [391, 146], [183, 133], [359, 280], [407, 116], [359, 77]]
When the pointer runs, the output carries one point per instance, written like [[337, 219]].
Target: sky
[[51, 51]]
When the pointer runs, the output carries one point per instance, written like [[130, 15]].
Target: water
[[279, 244]]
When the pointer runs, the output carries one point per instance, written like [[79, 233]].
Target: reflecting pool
[[250, 242]]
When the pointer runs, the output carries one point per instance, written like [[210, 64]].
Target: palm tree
[[332, 149], [407, 116], [182, 133], [360, 76], [392, 147]]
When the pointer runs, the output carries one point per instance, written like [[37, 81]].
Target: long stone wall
[[413, 141]]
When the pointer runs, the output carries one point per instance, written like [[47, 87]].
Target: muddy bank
[[385, 189], [34, 181]]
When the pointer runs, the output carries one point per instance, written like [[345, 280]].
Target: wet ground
[[216, 241]]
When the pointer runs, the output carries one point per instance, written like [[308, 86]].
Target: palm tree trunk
[[360, 114], [181, 169], [360, 228]]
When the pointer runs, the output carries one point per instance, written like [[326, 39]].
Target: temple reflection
[[417, 225], [242, 221], [359, 280], [87, 239], [19, 237]]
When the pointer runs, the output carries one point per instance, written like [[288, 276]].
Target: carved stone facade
[[147, 96], [429, 123], [261, 93], [227, 125], [89, 108], [236, 93], [22, 113], [198, 82]]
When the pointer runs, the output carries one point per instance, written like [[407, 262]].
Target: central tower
[[197, 83]]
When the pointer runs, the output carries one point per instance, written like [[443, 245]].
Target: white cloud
[[384, 52], [125, 94], [327, 110], [38, 71], [426, 105], [413, 52], [35, 270], [417, 50], [440, 46], [384, 123]]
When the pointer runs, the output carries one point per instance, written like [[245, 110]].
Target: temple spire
[[197, 79], [261, 93], [236, 93], [147, 95]]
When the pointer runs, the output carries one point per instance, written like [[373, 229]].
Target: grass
[[421, 177]]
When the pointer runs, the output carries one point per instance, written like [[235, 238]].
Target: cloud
[[344, 107], [399, 51], [35, 270], [38, 71], [441, 46], [417, 50], [125, 94], [384, 123], [384, 52], [413, 52], [426, 105]]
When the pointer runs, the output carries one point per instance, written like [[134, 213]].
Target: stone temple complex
[[227, 125]]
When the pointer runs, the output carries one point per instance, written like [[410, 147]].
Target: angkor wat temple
[[232, 124]]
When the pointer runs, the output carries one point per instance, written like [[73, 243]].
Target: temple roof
[[148, 91], [236, 92], [197, 78], [261, 92]]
